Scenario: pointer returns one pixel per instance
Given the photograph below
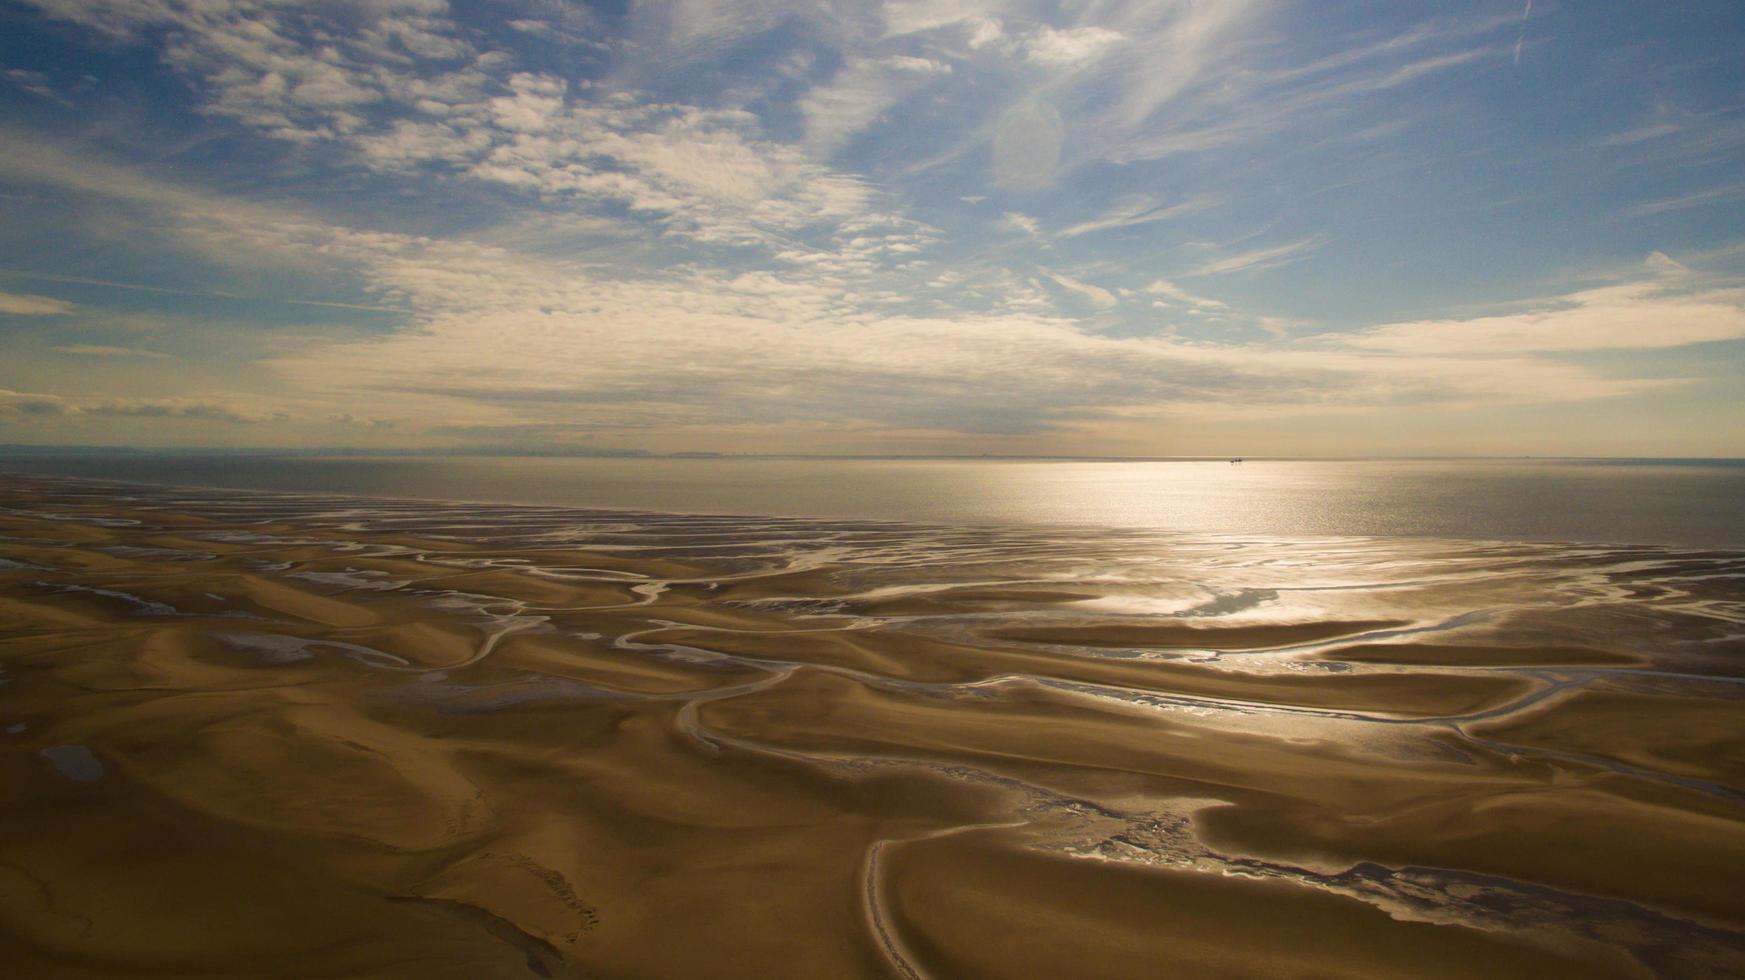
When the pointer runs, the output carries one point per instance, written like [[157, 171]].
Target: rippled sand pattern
[[281, 735]]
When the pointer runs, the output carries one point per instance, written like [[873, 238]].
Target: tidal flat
[[276, 734]]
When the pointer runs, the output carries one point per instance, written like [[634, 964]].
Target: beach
[[299, 734]]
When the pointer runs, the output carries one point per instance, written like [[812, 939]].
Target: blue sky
[[1186, 226]]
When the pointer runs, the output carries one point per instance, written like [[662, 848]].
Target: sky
[[1157, 227]]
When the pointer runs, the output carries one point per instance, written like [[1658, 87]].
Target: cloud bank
[[949, 222]]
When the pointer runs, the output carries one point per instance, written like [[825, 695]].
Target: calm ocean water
[[1696, 503]]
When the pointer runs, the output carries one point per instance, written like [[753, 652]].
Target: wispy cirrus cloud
[[1724, 194], [179, 408], [1626, 316], [859, 94], [35, 82], [1269, 257], [25, 403], [27, 304], [1321, 97], [1141, 209], [1175, 293], [1099, 297], [42, 405], [106, 350]]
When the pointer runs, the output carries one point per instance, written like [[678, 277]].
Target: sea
[[1682, 503]]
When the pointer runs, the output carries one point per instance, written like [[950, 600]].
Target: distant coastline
[[535, 452]]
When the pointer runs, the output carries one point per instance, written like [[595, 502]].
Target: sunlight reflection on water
[[1696, 503]]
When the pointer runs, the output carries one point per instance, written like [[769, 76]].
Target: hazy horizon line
[[526, 452]]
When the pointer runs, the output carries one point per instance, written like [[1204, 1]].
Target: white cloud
[[1627, 316], [986, 32], [779, 352], [1665, 266], [178, 408], [1099, 297], [757, 279], [1176, 53], [288, 70], [1723, 194], [904, 17], [859, 95], [104, 350], [1260, 258], [504, 338], [397, 84], [1521, 36], [1139, 209], [1163, 287], [25, 304], [34, 82], [1246, 106], [29, 404], [1069, 46], [26, 403]]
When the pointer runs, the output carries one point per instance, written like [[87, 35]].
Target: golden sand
[[260, 739]]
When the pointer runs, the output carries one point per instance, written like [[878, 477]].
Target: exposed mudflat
[[254, 734]]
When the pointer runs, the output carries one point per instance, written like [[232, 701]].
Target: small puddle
[[74, 762]]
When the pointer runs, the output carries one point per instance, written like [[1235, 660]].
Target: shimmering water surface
[[1689, 503]]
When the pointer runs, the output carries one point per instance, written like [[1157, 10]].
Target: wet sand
[[291, 735]]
